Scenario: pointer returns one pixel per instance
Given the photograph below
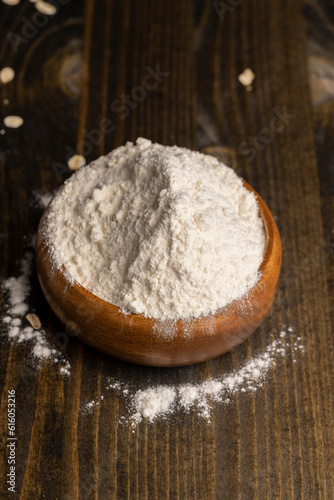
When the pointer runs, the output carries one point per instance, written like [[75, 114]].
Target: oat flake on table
[[11, 2], [45, 8], [246, 78], [7, 74], [76, 162], [13, 121]]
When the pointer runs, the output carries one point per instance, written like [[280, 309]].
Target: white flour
[[42, 199], [16, 323], [158, 401], [152, 402], [18, 290], [161, 231]]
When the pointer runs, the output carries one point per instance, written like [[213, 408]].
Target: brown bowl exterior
[[141, 340]]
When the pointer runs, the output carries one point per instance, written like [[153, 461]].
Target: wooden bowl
[[145, 341]]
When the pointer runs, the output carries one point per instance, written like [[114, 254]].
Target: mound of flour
[[161, 231]]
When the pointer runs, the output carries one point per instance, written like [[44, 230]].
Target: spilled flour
[[161, 400], [158, 401], [23, 327], [42, 199], [18, 289]]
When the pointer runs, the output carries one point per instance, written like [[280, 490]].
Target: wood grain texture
[[278, 441]]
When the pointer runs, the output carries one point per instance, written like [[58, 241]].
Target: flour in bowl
[[160, 231]]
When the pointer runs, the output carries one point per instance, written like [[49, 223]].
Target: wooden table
[[73, 71]]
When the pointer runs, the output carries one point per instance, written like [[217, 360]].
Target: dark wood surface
[[274, 443]]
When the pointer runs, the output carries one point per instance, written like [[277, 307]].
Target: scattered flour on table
[[42, 199], [158, 401], [161, 400], [19, 323], [22, 325], [153, 401], [156, 230]]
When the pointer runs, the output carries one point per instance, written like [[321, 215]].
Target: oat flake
[[11, 2], [13, 121], [76, 162], [45, 8], [7, 74], [246, 78], [34, 321]]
